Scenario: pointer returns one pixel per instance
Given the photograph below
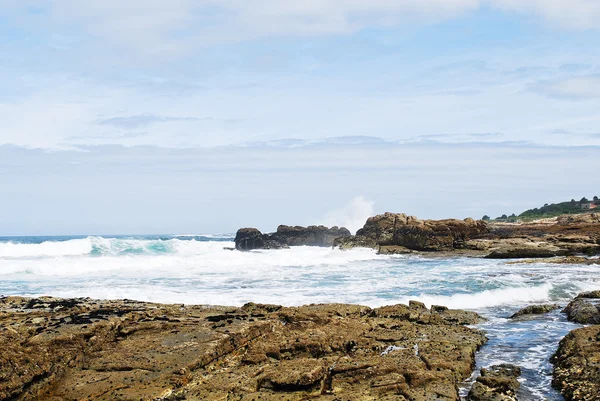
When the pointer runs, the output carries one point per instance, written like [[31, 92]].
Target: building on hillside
[[588, 205]]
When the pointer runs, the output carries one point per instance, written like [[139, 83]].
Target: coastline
[[58, 349]]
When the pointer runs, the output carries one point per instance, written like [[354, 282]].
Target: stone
[[585, 308], [247, 239], [127, 350], [496, 383], [535, 310], [401, 230], [576, 365]]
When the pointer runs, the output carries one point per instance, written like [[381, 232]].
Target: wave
[[491, 298], [102, 246], [72, 247]]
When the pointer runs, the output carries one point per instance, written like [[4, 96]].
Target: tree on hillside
[[485, 218], [584, 200], [595, 199]]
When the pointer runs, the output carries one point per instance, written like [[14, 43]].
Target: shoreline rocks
[[565, 236], [398, 229], [247, 239], [535, 310], [496, 383], [585, 308], [576, 374], [64, 349]]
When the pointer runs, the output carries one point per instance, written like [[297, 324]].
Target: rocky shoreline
[[568, 236], [75, 349]]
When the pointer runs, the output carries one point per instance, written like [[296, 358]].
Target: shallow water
[[198, 270]]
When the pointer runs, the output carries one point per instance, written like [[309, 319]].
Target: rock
[[127, 350], [583, 311], [576, 374], [569, 260], [589, 295], [354, 241], [393, 250], [392, 229], [496, 383], [535, 310], [309, 236], [247, 239], [526, 252]]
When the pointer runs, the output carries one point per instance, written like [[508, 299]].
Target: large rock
[[309, 236], [535, 310], [585, 308], [577, 365], [79, 349], [496, 383], [414, 234], [247, 239]]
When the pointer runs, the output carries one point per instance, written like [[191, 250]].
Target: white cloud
[[157, 27], [578, 87], [573, 14]]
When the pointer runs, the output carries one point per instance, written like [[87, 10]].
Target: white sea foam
[[489, 298], [49, 248]]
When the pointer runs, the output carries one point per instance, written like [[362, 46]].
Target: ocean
[[199, 269]]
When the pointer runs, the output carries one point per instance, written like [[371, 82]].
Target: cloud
[[572, 14], [573, 88], [142, 120], [160, 27]]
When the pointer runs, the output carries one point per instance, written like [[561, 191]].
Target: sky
[[205, 116]]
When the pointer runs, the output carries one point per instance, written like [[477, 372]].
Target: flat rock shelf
[[81, 349]]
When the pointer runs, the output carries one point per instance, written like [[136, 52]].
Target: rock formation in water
[[79, 349], [496, 383], [577, 365], [585, 308], [410, 233], [247, 239], [400, 230], [535, 310], [577, 360], [398, 233]]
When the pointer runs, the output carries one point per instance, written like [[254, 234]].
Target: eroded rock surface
[[247, 239], [77, 349], [585, 308], [535, 310], [564, 236], [398, 229], [496, 383], [577, 365]]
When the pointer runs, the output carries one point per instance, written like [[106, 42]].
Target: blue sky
[[298, 108]]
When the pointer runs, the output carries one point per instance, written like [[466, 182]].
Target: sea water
[[199, 269]]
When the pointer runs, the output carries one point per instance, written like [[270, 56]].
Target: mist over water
[[197, 269]]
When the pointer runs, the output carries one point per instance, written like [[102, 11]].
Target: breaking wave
[[101, 246]]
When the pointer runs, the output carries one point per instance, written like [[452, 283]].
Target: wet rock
[[546, 251], [130, 350], [309, 236], [247, 239], [535, 310], [496, 383], [585, 308], [576, 365], [400, 230]]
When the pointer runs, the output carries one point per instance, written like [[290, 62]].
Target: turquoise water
[[196, 269]]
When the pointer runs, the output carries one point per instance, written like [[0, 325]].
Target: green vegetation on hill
[[552, 210]]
